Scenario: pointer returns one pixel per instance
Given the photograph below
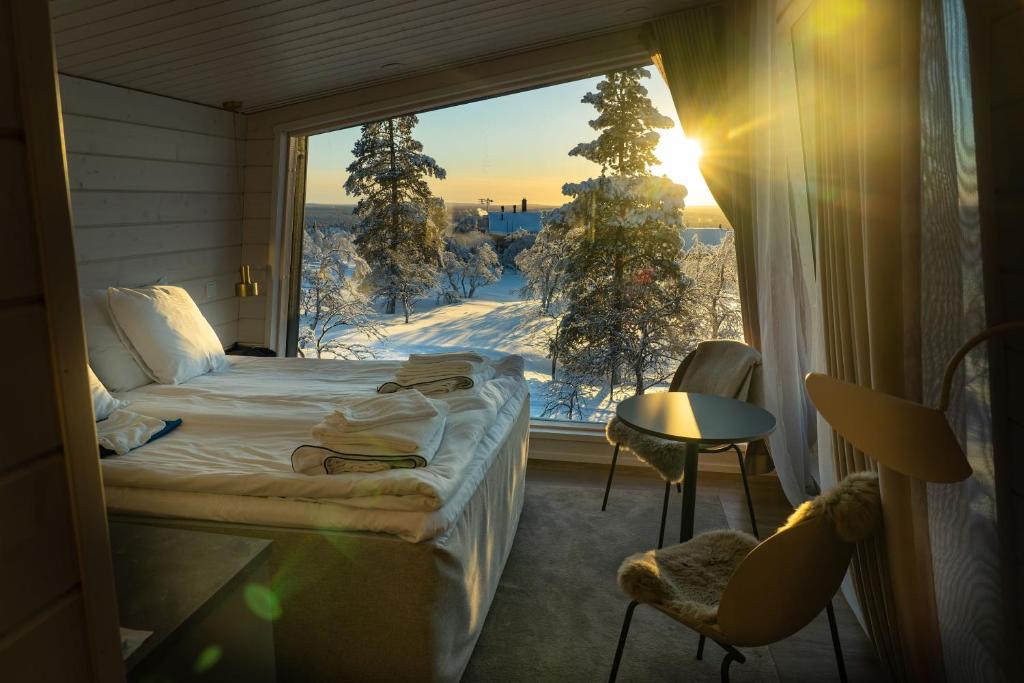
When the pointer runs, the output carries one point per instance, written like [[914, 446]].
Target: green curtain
[[705, 67]]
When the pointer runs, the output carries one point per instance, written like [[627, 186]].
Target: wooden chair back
[[783, 584]]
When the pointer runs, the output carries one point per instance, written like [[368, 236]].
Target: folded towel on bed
[[443, 385], [359, 412], [432, 358], [405, 444], [409, 374], [419, 437], [124, 431]]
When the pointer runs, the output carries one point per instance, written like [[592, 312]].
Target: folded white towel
[[445, 385], [432, 358], [355, 413], [404, 445], [409, 374], [124, 430], [408, 437]]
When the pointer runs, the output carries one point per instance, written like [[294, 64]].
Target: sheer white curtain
[[787, 297]]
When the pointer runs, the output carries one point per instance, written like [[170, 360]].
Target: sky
[[510, 147]]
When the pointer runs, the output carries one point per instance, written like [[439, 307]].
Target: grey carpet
[[558, 610]]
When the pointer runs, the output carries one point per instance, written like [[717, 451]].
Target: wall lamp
[[246, 287], [903, 435]]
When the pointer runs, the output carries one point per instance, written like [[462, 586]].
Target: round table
[[695, 419]]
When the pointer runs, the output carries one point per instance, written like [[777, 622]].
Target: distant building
[[709, 237], [506, 222]]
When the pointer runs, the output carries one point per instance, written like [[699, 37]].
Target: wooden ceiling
[[266, 53]]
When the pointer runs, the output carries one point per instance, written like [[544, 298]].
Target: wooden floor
[[805, 656]]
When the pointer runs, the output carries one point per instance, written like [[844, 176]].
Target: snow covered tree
[[470, 262], [541, 266], [618, 247], [628, 123], [714, 296], [401, 223], [332, 299]]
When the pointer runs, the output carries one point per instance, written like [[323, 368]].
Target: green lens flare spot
[[263, 602], [208, 658]]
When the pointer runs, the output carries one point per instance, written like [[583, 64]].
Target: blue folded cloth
[[125, 445]]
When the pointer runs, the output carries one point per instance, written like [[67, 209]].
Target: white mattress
[[231, 458]]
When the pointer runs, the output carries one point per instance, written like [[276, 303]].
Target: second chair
[[718, 367]]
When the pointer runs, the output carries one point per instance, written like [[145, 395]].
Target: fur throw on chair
[[854, 507], [667, 457], [687, 580]]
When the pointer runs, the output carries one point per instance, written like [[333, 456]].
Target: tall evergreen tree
[[621, 282], [398, 235]]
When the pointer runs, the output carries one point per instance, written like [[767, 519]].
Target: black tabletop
[[700, 418], [167, 577]]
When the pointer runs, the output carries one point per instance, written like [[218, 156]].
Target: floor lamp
[[903, 435]]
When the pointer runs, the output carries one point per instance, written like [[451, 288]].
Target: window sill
[[585, 442]]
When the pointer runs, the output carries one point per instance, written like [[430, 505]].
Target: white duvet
[[240, 427]]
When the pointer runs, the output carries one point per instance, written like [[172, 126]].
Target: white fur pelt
[[854, 507], [667, 457], [687, 579]]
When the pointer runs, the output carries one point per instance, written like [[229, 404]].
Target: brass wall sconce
[[246, 287]]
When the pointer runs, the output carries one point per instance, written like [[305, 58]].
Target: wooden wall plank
[[94, 172], [10, 112], [50, 648], [29, 424], [132, 208], [174, 267], [251, 331], [101, 243], [90, 135], [38, 545], [19, 258], [90, 98]]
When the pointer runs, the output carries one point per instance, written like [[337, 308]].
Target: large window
[[568, 224]]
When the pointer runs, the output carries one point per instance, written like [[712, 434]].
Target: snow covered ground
[[495, 322]]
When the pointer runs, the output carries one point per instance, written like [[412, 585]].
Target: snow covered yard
[[495, 322]]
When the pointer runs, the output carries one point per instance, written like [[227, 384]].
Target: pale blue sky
[[509, 147]]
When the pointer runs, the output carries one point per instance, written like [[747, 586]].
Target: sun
[[679, 157]]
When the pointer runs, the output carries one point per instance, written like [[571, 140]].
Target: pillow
[[109, 358], [103, 404], [166, 331]]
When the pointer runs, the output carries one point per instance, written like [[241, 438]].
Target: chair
[[740, 593], [720, 367]]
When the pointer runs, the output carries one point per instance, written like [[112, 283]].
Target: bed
[[386, 576]]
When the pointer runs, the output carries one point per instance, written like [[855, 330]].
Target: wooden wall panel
[[156, 188], [39, 549], [58, 613], [29, 424], [48, 648]]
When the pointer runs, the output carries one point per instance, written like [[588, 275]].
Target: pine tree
[[400, 232], [619, 247]]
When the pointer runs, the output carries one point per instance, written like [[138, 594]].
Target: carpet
[[558, 610]]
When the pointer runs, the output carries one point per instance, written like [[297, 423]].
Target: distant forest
[[340, 215]]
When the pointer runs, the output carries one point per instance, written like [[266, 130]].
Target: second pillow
[[165, 329]]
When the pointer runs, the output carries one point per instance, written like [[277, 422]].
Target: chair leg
[[622, 641], [746, 490], [664, 514], [731, 655], [700, 647], [835, 641], [611, 473]]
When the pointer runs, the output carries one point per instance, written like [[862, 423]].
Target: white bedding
[[232, 453]]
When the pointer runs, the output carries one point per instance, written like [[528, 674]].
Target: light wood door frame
[[51, 205]]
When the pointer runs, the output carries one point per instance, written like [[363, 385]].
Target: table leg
[[689, 491]]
